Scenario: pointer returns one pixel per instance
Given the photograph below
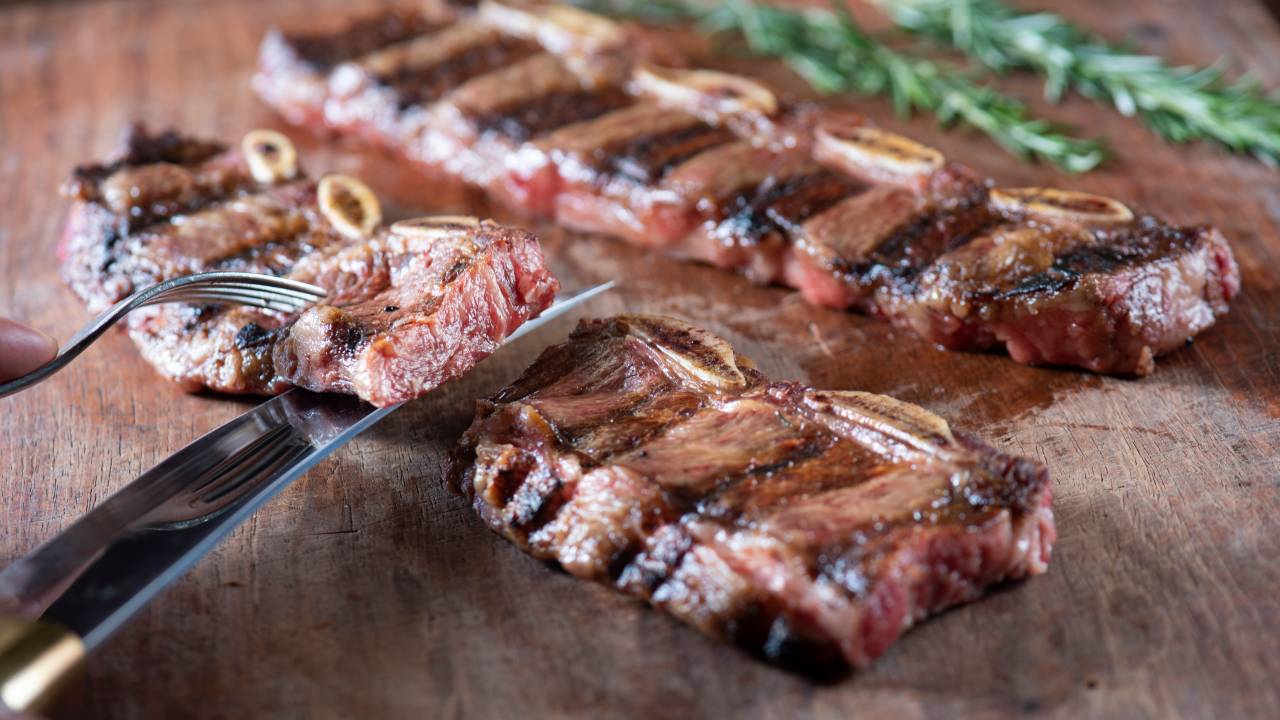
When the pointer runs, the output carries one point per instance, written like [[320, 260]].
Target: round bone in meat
[[703, 92], [874, 153], [558, 28], [270, 155], [435, 227], [1053, 205], [349, 205]]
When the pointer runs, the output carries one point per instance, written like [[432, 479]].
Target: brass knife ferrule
[[37, 660]]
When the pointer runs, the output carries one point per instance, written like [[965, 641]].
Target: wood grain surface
[[365, 590]]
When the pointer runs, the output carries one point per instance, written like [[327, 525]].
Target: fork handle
[[37, 660]]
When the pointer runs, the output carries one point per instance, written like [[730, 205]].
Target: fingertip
[[23, 349], [50, 348]]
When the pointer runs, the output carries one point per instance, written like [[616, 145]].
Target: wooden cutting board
[[366, 590]]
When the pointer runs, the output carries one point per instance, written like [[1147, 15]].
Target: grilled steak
[[811, 526], [568, 115], [409, 307]]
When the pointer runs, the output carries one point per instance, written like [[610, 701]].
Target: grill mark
[[122, 259], [651, 569], [110, 248], [620, 561], [142, 219], [1068, 268], [815, 194], [531, 517], [143, 148], [914, 246], [276, 256], [323, 52], [753, 213], [423, 85], [525, 119], [638, 436], [646, 158], [263, 257], [252, 335], [1049, 281], [808, 449], [1096, 259], [346, 337]]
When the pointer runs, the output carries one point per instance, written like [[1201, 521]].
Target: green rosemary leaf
[[1179, 103], [835, 55]]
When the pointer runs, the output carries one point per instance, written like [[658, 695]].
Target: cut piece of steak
[[573, 116], [814, 527], [415, 307], [408, 308]]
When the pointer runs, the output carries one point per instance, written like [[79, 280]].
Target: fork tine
[[229, 296], [240, 291], [252, 280], [243, 301], [240, 285], [258, 281], [278, 291], [263, 291]]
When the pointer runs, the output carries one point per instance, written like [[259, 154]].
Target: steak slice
[[157, 177], [295, 66], [573, 116], [1109, 300], [408, 307], [811, 526]]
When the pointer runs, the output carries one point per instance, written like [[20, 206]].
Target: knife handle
[[37, 660]]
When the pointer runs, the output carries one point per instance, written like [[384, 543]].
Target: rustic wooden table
[[367, 591]]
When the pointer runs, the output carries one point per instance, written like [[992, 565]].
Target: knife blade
[[72, 593]]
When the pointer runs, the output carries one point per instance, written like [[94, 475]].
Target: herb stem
[[835, 55], [1179, 103]]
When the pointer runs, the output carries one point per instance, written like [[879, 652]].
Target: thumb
[[23, 349]]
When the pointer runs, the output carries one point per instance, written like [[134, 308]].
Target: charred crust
[[771, 635], [755, 212], [1017, 483], [324, 51], [1112, 253], [141, 147], [910, 249], [652, 568], [532, 516], [526, 119], [252, 335], [648, 157], [347, 336], [420, 85]]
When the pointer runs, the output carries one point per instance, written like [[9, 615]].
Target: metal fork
[[240, 288]]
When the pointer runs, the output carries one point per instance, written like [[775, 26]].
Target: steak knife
[[69, 595]]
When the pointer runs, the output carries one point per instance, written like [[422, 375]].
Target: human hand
[[23, 349]]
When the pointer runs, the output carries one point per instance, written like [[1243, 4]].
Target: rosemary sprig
[[834, 54], [1179, 103]]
